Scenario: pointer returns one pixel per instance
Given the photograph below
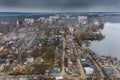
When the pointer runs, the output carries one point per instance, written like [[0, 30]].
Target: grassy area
[[48, 62]]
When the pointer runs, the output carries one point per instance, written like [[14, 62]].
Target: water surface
[[111, 44]]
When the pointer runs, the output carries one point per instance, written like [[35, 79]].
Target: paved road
[[4, 76], [63, 56], [30, 42], [83, 75], [100, 71], [98, 68]]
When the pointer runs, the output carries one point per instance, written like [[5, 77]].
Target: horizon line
[[59, 12]]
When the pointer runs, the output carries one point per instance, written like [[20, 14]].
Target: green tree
[[36, 53], [49, 53], [39, 68]]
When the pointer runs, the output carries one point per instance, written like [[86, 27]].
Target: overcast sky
[[59, 5]]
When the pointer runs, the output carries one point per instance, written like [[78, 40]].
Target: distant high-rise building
[[17, 23]]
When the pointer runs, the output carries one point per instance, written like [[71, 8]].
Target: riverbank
[[110, 44]]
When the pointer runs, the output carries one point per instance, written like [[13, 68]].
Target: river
[[110, 45]]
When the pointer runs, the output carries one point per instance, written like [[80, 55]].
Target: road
[[63, 56], [30, 42], [98, 68], [83, 75]]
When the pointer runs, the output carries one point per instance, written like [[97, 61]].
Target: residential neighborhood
[[50, 47]]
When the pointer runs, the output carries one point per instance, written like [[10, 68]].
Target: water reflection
[[86, 43]]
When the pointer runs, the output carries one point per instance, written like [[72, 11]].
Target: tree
[[36, 52], [78, 36], [39, 68], [19, 56], [49, 53], [29, 69]]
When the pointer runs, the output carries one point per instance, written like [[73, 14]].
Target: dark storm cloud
[[61, 4]]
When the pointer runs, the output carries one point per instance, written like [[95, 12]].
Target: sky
[[59, 5]]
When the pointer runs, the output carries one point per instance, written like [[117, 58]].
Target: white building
[[82, 19], [29, 20], [88, 70], [17, 22], [71, 29], [54, 17], [59, 78], [30, 59]]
